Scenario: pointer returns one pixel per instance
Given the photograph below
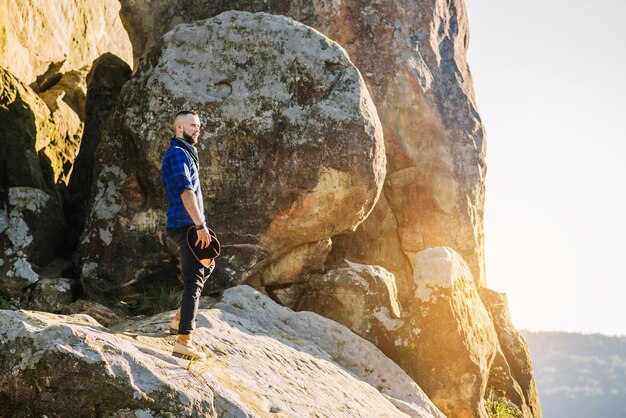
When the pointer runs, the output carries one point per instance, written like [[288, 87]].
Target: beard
[[189, 138]]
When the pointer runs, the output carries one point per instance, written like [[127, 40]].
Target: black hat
[[203, 254]]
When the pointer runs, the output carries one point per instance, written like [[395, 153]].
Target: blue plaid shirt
[[179, 172]]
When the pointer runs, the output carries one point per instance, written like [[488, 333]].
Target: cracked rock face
[[41, 132], [361, 297], [39, 36], [412, 56], [262, 359], [26, 125], [291, 148]]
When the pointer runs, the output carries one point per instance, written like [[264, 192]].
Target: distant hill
[[579, 375]]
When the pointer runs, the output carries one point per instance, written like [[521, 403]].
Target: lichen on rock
[[32, 227]]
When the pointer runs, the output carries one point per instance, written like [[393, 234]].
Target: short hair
[[184, 113]]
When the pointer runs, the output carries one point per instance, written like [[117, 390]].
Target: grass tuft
[[156, 300]]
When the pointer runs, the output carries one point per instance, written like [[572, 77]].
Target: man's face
[[191, 128]]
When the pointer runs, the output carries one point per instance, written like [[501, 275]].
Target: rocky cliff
[[342, 161]]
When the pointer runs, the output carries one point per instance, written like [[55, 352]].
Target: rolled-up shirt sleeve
[[181, 172]]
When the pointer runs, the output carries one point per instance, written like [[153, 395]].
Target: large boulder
[[363, 298], [448, 342], [101, 313], [413, 59], [49, 294], [263, 359], [41, 40], [291, 151], [32, 229]]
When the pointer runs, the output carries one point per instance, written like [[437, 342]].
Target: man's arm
[[180, 173], [191, 205]]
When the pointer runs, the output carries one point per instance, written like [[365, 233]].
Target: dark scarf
[[192, 150]]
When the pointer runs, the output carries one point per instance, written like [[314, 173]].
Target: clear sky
[[550, 84]]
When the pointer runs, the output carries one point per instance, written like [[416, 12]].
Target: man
[[185, 208]]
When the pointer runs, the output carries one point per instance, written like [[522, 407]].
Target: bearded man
[[185, 208]]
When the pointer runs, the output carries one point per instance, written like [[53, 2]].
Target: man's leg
[[193, 277], [178, 236], [193, 281], [192, 293]]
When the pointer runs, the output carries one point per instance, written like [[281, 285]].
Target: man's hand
[[203, 237]]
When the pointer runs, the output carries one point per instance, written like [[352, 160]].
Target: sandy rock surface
[[263, 359]]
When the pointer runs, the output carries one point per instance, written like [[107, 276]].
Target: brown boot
[[185, 349]]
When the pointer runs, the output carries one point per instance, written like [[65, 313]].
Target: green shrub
[[501, 408]]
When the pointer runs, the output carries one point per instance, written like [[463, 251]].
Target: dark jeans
[[194, 277]]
